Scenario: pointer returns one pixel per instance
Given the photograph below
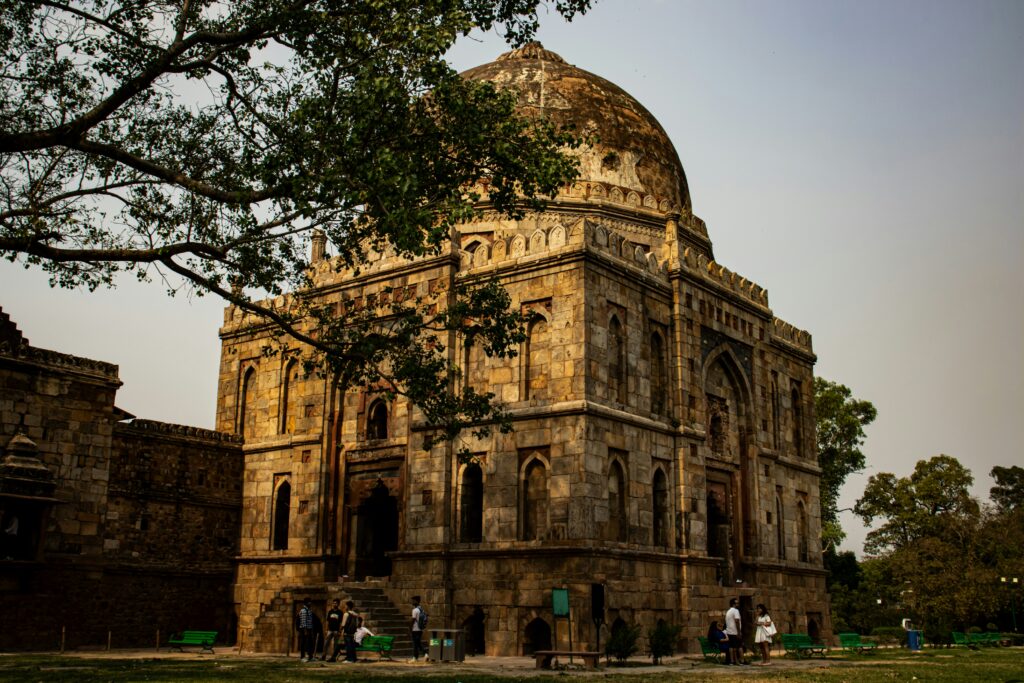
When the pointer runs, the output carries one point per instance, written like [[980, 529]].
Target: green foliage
[[623, 643], [1008, 493], [932, 500], [203, 143], [840, 421], [941, 554], [889, 635], [662, 640]]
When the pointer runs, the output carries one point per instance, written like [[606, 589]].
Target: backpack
[[422, 620], [352, 623]]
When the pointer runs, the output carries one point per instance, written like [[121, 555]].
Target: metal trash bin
[[914, 640], [447, 645]]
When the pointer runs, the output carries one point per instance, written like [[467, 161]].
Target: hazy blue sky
[[863, 161]]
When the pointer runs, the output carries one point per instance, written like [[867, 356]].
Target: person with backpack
[[350, 623], [419, 625], [304, 620]]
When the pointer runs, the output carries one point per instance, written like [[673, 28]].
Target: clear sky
[[863, 161]]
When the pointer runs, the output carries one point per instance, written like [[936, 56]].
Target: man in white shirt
[[734, 629], [417, 628]]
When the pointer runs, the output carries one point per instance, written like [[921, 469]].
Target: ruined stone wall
[[99, 571]]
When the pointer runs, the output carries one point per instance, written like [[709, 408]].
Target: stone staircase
[[274, 627]]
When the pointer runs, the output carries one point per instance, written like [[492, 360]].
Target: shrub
[[974, 629], [889, 635], [662, 639], [623, 643]]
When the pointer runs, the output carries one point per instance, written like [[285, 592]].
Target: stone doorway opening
[[376, 532], [536, 636]]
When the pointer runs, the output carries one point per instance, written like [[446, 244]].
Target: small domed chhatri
[[629, 147]]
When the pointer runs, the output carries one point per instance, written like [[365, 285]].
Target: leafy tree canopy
[[931, 501], [1008, 493], [202, 141], [840, 420]]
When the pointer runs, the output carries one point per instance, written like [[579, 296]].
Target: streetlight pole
[[1013, 583]]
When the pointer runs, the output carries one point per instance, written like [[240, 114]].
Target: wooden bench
[[382, 645], [710, 650], [204, 639], [852, 641], [545, 657], [800, 643]]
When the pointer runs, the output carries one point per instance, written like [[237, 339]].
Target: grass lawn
[[933, 666]]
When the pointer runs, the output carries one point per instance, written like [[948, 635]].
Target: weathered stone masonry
[[664, 424], [140, 522]]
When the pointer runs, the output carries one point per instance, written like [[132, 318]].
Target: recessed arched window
[[659, 375], [660, 509], [288, 382], [537, 360], [281, 515], [618, 521], [616, 361], [780, 529], [377, 420], [535, 501], [775, 409], [472, 504], [798, 422], [247, 404], [803, 541]]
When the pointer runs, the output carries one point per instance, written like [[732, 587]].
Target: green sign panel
[[560, 602]]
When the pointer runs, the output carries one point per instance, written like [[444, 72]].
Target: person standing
[[419, 621], [734, 629], [765, 631], [334, 616], [305, 621], [349, 625]]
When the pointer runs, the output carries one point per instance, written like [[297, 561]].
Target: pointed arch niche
[[729, 417], [247, 403], [618, 501], [536, 358], [280, 517], [533, 485]]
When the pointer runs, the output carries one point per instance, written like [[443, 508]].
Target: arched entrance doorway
[[537, 636], [376, 532]]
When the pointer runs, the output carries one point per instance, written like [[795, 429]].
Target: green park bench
[[960, 639], [852, 641], [203, 639], [709, 650], [985, 639], [800, 644], [382, 645]]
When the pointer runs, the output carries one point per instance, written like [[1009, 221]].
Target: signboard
[[560, 602]]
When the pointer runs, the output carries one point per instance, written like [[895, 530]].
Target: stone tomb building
[[664, 428]]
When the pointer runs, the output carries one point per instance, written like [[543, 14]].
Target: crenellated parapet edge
[[790, 334], [236, 316], [509, 248], [699, 265], [181, 431], [63, 361]]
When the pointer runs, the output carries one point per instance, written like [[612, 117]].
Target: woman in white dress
[[765, 631]]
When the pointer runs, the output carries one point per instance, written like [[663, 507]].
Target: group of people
[[730, 640], [345, 628]]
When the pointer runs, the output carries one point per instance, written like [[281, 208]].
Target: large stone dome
[[630, 149]]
